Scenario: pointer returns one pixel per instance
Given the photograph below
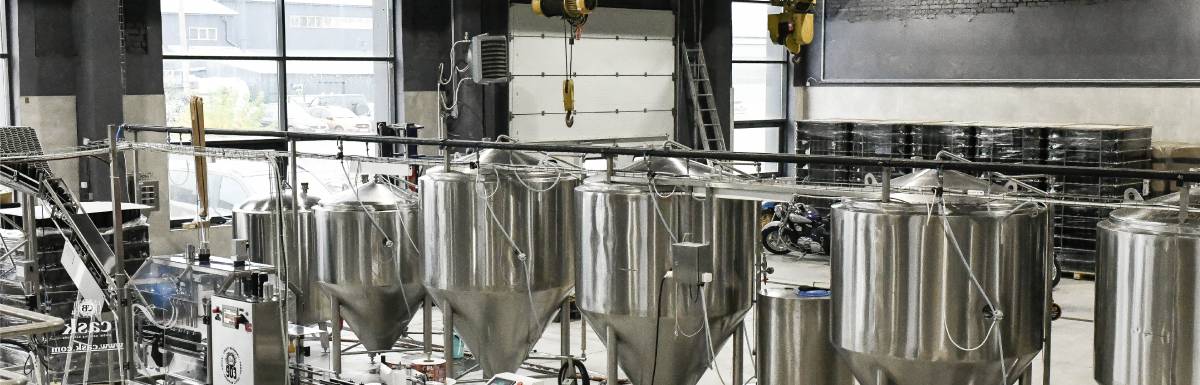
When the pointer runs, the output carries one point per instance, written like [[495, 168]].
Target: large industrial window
[[761, 83], [326, 66]]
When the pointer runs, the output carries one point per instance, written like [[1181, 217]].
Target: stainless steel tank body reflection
[[499, 250], [370, 237], [625, 252], [1148, 266], [905, 308], [793, 339], [255, 221]]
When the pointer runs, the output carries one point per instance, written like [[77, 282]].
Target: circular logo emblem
[[231, 365], [87, 308]]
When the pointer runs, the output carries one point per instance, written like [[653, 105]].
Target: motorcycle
[[795, 227]]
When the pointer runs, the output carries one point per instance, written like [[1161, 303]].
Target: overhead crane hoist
[[794, 27], [575, 13]]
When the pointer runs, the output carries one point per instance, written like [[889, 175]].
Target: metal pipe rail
[[35, 323], [975, 167]]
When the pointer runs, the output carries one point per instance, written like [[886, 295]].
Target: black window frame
[[787, 96], [281, 59]]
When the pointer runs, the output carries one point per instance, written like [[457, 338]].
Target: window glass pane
[[238, 94], [759, 139], [751, 39], [230, 183], [339, 28], [758, 91], [220, 27], [338, 97]]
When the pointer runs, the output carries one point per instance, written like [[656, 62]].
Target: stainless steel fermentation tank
[[255, 221], [903, 297], [499, 251], [626, 250], [1146, 291], [370, 237], [793, 339]]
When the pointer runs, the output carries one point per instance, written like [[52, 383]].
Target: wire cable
[[657, 327]]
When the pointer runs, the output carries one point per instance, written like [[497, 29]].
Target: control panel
[[248, 344]]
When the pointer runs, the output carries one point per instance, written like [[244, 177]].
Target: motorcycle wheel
[[773, 242], [1056, 274]]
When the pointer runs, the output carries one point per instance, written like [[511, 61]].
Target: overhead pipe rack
[[607, 151]]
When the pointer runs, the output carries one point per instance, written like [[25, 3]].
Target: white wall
[[1173, 111]]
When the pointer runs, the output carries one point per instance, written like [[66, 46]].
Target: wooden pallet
[[1081, 276]]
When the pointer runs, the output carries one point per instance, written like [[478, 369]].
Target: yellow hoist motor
[[575, 13], [794, 27]]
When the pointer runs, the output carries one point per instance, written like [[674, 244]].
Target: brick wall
[[860, 10]]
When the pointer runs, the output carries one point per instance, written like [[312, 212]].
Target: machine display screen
[[501, 381]]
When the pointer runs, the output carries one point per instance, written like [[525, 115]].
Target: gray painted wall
[[1174, 112]]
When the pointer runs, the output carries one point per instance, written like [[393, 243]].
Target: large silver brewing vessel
[[905, 308], [793, 339], [370, 236], [1146, 274], [499, 251], [255, 221], [626, 250]]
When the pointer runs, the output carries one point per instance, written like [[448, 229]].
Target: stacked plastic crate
[[1010, 143], [929, 139], [1092, 145], [824, 137], [878, 139]]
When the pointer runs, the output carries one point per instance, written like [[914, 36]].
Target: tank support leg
[[739, 340], [564, 323], [427, 326], [611, 345], [325, 336], [1027, 377], [448, 339], [335, 359]]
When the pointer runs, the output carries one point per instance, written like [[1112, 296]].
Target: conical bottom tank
[[499, 253], [905, 308], [369, 239], [625, 252]]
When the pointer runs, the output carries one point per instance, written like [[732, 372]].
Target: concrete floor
[[1071, 357]]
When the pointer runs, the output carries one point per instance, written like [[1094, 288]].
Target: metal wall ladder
[[705, 110]]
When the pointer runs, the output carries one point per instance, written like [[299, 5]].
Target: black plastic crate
[[880, 140], [1010, 143], [928, 139], [1075, 260], [1084, 211], [825, 173], [823, 137], [1100, 132], [1098, 158], [1114, 191]]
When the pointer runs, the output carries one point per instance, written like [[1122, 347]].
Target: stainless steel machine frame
[[498, 251], [370, 239], [1145, 295], [256, 221], [892, 340], [793, 340], [751, 191], [631, 235]]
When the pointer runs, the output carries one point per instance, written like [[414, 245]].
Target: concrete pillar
[[68, 58]]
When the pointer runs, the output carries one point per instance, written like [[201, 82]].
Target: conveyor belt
[[89, 261]]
